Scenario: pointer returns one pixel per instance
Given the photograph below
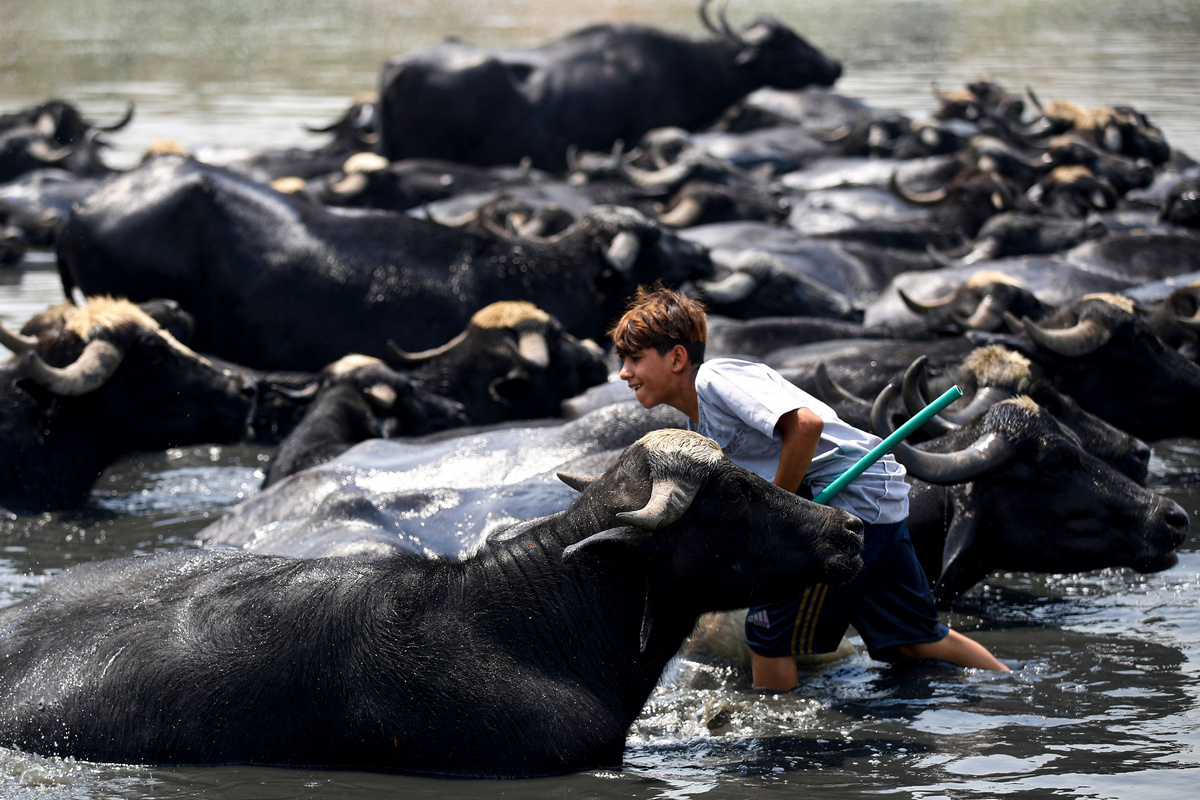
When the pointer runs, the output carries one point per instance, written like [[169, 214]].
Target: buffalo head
[[1022, 494], [713, 534]]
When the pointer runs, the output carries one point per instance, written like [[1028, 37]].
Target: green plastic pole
[[888, 444]]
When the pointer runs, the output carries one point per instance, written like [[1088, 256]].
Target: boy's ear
[[679, 358]]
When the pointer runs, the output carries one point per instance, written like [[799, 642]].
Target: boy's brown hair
[[661, 318]]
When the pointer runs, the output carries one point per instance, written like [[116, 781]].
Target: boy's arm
[[801, 432]]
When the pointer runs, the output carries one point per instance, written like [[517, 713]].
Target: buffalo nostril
[[1176, 517]]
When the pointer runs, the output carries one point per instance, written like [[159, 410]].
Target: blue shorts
[[889, 603]]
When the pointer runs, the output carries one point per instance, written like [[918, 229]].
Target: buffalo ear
[[625, 538], [961, 565]]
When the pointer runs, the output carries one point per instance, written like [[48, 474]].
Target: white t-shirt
[[740, 403]]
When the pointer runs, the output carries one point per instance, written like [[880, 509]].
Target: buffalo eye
[[736, 490]]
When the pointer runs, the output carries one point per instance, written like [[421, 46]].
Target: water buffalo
[[532, 657], [1013, 491], [93, 383], [359, 398], [1100, 352], [589, 89], [512, 361], [277, 282], [53, 134]]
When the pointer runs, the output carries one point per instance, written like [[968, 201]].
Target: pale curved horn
[[1083, 338], [686, 213], [15, 341], [1191, 323], [733, 288], [576, 482], [987, 316], [42, 151], [95, 365], [669, 499], [413, 359], [669, 175], [623, 251], [534, 351], [984, 455], [923, 307], [929, 198]]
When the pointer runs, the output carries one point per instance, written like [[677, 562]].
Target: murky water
[[1105, 702]]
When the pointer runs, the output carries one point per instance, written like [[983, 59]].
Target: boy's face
[[651, 375]]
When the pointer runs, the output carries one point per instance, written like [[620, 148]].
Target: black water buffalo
[[513, 361], [994, 373], [276, 282], [93, 383], [53, 134], [599, 85], [359, 398], [1011, 490], [1099, 351], [532, 657]]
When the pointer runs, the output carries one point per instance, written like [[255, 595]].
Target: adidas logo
[[759, 619]]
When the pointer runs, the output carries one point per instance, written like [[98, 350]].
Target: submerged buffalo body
[[276, 282], [532, 657], [588, 90]]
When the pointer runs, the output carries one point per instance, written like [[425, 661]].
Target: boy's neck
[[687, 401]]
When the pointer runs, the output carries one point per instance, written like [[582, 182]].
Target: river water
[[1105, 698]]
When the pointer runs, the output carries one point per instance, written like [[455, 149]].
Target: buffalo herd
[[411, 320]]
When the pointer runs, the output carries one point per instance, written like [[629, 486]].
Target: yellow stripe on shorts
[[805, 629]]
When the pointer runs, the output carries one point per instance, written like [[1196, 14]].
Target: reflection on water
[[1103, 702]]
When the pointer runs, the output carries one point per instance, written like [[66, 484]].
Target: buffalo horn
[[984, 455], [413, 359], [831, 391], [912, 391], [15, 341], [576, 482], [1083, 338], [923, 307], [351, 185], [987, 316], [929, 198], [734, 287], [704, 18], [726, 28], [686, 213], [533, 349], [670, 175], [95, 365], [669, 499], [1191, 323], [623, 251], [42, 151], [120, 123]]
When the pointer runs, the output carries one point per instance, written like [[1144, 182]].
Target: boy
[[773, 428]]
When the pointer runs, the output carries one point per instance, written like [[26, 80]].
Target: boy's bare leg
[[957, 649], [777, 673]]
